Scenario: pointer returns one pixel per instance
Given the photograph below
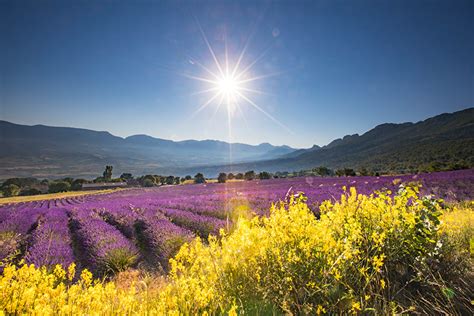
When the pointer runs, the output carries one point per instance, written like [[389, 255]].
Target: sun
[[228, 86], [229, 83]]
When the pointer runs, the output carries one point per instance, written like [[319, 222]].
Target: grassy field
[[51, 196]]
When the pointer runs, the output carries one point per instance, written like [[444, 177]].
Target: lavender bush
[[100, 246], [50, 242]]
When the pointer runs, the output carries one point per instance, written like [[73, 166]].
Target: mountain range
[[44, 151], [444, 139]]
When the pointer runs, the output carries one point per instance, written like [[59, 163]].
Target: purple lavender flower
[[50, 241], [14, 230], [100, 246], [202, 225], [160, 239]]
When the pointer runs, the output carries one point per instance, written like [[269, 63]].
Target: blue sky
[[339, 67]]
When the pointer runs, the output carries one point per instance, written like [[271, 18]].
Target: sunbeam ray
[[210, 48], [205, 68], [264, 112], [205, 91], [203, 106]]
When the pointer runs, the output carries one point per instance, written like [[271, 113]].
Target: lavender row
[[160, 239], [50, 241], [201, 225], [14, 230], [100, 246]]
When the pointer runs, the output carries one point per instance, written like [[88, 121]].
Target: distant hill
[[446, 138], [45, 151]]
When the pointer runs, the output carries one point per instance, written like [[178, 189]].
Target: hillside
[[44, 151], [448, 137]]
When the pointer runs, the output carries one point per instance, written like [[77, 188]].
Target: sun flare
[[229, 83], [228, 86]]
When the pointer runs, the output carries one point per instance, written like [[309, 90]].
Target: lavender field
[[145, 227]]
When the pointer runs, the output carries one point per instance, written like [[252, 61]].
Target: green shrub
[[10, 190], [59, 186]]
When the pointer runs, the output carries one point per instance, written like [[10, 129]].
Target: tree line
[[34, 186]]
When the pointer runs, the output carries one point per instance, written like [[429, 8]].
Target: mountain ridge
[[45, 151], [388, 146], [26, 149]]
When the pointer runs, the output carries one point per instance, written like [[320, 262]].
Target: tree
[[188, 177], [148, 180], [340, 172], [148, 183], [199, 178], [10, 190], [31, 191], [264, 175], [239, 176], [59, 186], [230, 176], [68, 180], [126, 176], [363, 171], [177, 180], [108, 173], [77, 184], [322, 171], [21, 182], [169, 180], [222, 177], [347, 172], [249, 175]]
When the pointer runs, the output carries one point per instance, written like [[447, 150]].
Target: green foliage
[[230, 176], [264, 175], [31, 191], [346, 172], [170, 180], [363, 171], [77, 184], [280, 174], [188, 177], [21, 182], [26, 186], [222, 178], [99, 180], [108, 173], [59, 186], [10, 190], [199, 178], [322, 171], [68, 180], [119, 260], [249, 175], [148, 183], [126, 176], [239, 176]]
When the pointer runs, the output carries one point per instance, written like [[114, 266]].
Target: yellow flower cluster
[[347, 261], [32, 290]]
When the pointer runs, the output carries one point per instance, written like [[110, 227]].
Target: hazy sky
[[338, 67]]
